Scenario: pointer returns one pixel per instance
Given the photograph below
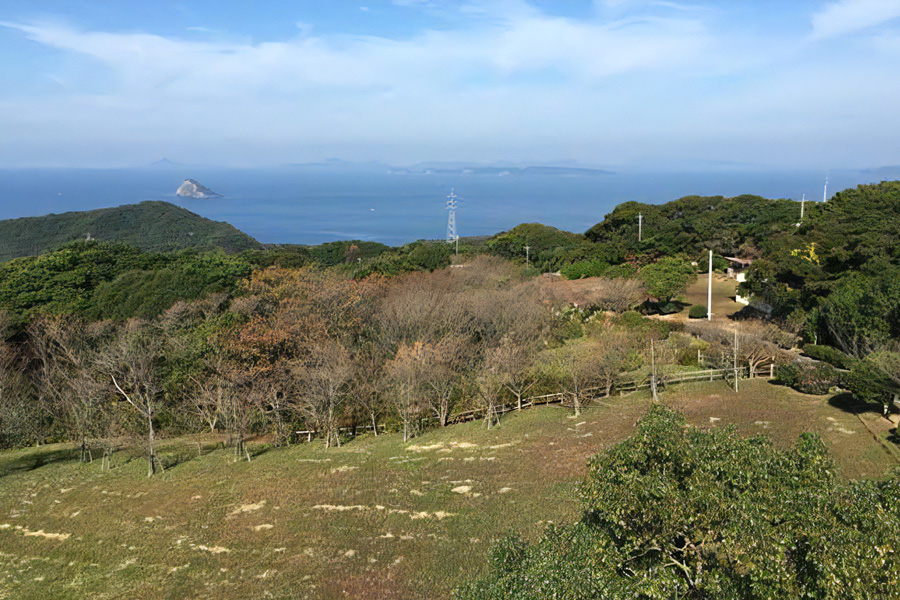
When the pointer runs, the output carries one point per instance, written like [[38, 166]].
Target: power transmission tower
[[451, 217]]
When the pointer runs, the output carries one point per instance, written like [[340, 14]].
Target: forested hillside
[[151, 226], [742, 225], [118, 353]]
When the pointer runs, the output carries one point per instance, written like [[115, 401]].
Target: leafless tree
[[324, 385], [19, 414], [443, 367], [515, 364], [575, 365], [370, 385], [489, 383], [407, 375], [617, 295], [132, 362], [69, 351], [751, 342]]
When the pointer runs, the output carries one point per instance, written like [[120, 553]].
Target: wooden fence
[[621, 388]]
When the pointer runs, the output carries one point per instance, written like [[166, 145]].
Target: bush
[[643, 326], [788, 374], [830, 355], [584, 268], [623, 271], [816, 378], [697, 311]]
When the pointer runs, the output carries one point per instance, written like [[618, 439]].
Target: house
[[737, 270]]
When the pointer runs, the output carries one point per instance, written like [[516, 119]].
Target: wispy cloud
[[850, 16], [498, 79]]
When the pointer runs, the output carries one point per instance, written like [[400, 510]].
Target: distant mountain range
[[152, 226], [452, 168]]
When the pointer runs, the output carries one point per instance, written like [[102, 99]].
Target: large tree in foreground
[[676, 512]]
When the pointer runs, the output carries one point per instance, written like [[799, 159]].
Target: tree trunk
[[151, 459]]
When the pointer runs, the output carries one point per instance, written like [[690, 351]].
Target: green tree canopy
[[676, 512], [668, 277]]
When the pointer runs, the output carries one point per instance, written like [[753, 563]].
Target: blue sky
[[612, 83]]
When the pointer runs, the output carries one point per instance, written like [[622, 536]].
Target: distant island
[[191, 188]]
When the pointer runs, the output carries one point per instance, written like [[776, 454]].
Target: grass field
[[376, 518]]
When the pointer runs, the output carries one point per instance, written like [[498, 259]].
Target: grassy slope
[[210, 528], [151, 226]]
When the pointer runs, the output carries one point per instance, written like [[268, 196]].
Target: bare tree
[[515, 364], [443, 365], [132, 363], [753, 342], [576, 366], [489, 383], [19, 414], [617, 295], [69, 351], [325, 379], [243, 392], [615, 350], [406, 373], [370, 384]]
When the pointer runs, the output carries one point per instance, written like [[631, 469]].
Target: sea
[[312, 205]]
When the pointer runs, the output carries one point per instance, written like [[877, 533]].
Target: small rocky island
[[191, 188]]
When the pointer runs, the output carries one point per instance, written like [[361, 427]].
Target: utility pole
[[527, 257], [457, 245], [825, 192], [709, 291], [640, 226], [802, 203], [653, 377]]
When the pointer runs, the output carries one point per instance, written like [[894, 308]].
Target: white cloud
[[850, 16], [501, 80]]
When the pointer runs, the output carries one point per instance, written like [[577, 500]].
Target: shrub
[[817, 378], [830, 355], [622, 271], [788, 374], [643, 326], [584, 268], [697, 311]]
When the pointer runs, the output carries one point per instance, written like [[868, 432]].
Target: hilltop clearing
[[375, 518]]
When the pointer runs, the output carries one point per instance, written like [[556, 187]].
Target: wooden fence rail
[[621, 388]]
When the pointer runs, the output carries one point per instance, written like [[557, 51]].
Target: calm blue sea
[[310, 206]]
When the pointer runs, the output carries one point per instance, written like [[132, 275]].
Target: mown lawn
[[376, 518]]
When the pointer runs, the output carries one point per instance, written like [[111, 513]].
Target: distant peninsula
[[152, 226]]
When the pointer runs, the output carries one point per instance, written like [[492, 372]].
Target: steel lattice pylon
[[451, 216]]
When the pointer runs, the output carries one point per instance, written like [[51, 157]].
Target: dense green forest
[[152, 226]]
